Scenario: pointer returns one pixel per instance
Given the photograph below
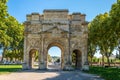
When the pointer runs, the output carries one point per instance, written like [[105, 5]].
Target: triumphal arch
[[56, 27]]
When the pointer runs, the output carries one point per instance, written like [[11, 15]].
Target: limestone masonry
[[56, 27]]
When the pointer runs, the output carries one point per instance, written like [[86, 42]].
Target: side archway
[[33, 59], [76, 59]]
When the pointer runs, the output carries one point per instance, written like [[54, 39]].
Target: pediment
[[55, 30]]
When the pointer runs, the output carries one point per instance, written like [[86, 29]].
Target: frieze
[[34, 42], [33, 28]]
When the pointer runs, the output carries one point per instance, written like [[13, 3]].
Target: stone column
[[39, 59], [25, 61], [86, 64], [70, 58], [45, 58], [42, 56], [42, 64], [67, 64], [28, 59]]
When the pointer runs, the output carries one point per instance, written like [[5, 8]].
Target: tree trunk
[[91, 60], [102, 60], [3, 54], [119, 48], [108, 61], [119, 51]]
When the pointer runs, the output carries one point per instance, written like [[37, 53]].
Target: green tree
[[115, 21], [11, 31], [91, 41], [96, 35], [15, 31], [102, 35], [49, 58], [4, 38]]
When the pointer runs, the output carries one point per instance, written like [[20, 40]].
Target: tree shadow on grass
[[9, 69]]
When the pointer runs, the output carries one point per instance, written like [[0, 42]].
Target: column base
[[86, 66], [42, 66], [68, 68], [25, 66]]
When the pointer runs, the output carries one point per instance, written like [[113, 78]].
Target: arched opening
[[76, 59], [55, 56], [33, 59]]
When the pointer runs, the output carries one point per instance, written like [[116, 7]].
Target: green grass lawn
[[106, 73], [5, 69]]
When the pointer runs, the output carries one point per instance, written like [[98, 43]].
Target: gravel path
[[49, 75]]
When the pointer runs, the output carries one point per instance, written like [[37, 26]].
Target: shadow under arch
[[77, 59], [33, 59], [61, 47]]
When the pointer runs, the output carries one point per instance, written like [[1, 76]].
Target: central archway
[[54, 58], [57, 58]]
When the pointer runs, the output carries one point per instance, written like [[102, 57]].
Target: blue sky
[[55, 51], [19, 9]]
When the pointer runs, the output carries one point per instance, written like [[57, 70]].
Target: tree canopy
[[11, 32], [104, 31]]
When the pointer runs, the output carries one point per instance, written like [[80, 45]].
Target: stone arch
[[32, 55], [59, 45], [43, 34], [77, 59], [55, 44]]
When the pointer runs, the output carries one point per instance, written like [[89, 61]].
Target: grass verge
[[5, 69], [106, 73]]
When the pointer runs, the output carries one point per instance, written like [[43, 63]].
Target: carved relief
[[77, 43], [56, 32], [34, 28], [34, 42], [77, 28], [55, 29]]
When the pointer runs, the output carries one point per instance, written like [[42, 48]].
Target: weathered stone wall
[[53, 15], [55, 28]]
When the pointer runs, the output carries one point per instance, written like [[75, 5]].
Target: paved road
[[54, 66], [49, 75]]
